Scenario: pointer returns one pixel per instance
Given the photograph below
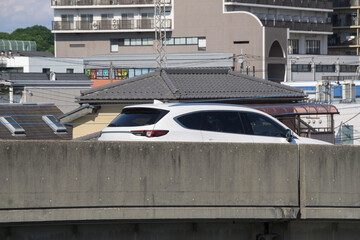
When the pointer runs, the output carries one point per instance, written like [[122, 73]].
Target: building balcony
[[106, 25], [340, 23], [299, 26], [346, 3], [87, 3], [320, 4]]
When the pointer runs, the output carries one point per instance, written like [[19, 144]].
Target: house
[[58, 88], [99, 106], [32, 122]]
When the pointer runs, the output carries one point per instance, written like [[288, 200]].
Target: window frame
[[313, 47]]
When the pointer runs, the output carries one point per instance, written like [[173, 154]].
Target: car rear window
[[132, 117]]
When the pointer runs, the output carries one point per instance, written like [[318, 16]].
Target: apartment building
[[112, 27], [345, 19], [307, 20], [259, 33]]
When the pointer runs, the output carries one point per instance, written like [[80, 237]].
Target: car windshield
[[131, 117]]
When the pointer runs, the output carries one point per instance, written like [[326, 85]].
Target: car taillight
[[150, 133]]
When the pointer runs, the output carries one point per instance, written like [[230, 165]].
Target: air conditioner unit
[[323, 91], [348, 91], [268, 237], [95, 25]]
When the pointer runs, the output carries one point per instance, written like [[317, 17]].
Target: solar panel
[[12, 126], [52, 122]]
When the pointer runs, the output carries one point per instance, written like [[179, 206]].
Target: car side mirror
[[289, 135]]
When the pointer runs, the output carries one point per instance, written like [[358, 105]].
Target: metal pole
[[111, 72], [11, 94], [160, 32], [313, 66]]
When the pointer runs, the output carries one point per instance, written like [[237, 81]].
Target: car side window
[[263, 126], [191, 121], [222, 121]]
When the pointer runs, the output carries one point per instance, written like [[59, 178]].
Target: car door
[[223, 126], [189, 129], [264, 129]]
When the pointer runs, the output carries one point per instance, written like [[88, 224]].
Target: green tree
[[41, 35], [4, 35]]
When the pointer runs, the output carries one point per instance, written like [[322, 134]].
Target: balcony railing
[[321, 4], [299, 26], [114, 24], [102, 2]]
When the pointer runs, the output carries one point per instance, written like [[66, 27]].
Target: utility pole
[[313, 69], [111, 72], [160, 32]]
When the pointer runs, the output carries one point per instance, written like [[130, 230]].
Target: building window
[[54, 124], [12, 126], [46, 70], [135, 42], [147, 41], [127, 15], [180, 41], [147, 15], [169, 41], [69, 70], [67, 22], [301, 68], [127, 42], [150, 41], [312, 46], [114, 45], [325, 68], [77, 45], [293, 46], [241, 42], [202, 44], [348, 68], [107, 16], [191, 41], [67, 18]]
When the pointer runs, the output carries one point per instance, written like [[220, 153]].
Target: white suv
[[184, 122]]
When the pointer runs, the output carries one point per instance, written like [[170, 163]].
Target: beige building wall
[[95, 122], [63, 98], [225, 33]]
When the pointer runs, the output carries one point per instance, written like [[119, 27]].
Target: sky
[[24, 13]]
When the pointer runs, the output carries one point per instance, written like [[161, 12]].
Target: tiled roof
[[43, 76], [190, 84], [23, 76], [43, 79], [28, 116]]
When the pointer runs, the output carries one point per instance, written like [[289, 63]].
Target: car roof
[[194, 106]]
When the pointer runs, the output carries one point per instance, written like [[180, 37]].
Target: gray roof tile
[[190, 83]]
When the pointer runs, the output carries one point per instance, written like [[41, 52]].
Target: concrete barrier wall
[[61, 181], [331, 176], [330, 181], [93, 174]]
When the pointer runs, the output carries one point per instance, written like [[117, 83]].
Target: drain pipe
[[11, 94]]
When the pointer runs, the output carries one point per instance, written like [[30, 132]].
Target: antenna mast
[[160, 33]]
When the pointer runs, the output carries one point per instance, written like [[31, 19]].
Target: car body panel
[[179, 133]]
